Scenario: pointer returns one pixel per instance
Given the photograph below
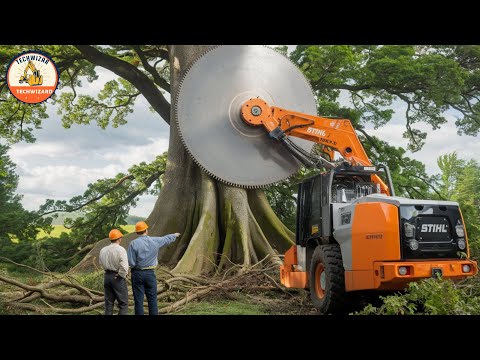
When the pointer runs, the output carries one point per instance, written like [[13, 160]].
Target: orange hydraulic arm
[[336, 134]]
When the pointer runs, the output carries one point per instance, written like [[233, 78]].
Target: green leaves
[[16, 223], [430, 297], [460, 181], [110, 106], [428, 79], [17, 119]]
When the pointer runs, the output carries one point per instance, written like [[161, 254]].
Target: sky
[[62, 162]]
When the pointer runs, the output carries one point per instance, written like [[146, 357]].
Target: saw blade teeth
[[267, 183], [175, 107]]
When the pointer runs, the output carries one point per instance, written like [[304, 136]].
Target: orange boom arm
[[336, 134]]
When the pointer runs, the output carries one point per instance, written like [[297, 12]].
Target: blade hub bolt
[[256, 110]]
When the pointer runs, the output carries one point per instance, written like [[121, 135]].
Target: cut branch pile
[[63, 294]]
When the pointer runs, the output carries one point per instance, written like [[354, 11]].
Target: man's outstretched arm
[[167, 239]]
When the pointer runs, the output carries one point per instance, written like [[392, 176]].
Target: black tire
[[328, 291]]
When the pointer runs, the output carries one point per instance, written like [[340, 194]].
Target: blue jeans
[[144, 282]]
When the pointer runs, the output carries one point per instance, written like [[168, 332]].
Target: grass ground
[[247, 304], [232, 307]]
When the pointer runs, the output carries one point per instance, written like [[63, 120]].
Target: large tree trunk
[[220, 225]]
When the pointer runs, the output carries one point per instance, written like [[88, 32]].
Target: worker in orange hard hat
[[113, 259], [143, 259]]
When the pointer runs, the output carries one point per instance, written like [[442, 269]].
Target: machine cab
[[341, 185]]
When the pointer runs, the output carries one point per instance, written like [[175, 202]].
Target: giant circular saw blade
[[208, 113]]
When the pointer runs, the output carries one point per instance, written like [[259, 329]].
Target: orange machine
[[353, 233]]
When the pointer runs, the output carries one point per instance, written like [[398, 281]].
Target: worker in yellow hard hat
[[113, 259], [143, 259]]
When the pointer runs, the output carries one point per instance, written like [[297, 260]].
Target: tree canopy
[[428, 79], [16, 223], [460, 181], [360, 83]]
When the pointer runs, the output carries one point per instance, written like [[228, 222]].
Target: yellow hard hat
[[141, 226], [115, 234]]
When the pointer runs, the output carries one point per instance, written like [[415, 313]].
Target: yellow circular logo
[[32, 77]]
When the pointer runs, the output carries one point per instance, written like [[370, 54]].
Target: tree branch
[[21, 124], [128, 199], [3, 82], [161, 53], [406, 187], [85, 249], [464, 113], [120, 182], [151, 69], [65, 64], [9, 120], [130, 73], [41, 309], [407, 116], [429, 185], [370, 140], [353, 88], [25, 266], [54, 297], [70, 76]]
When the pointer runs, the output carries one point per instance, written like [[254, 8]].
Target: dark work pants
[[144, 282], [115, 289]]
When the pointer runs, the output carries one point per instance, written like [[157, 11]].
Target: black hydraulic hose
[[303, 156], [315, 161]]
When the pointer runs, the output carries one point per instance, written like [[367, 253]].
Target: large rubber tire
[[327, 280]]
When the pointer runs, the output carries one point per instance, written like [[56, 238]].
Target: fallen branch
[[49, 296], [25, 266], [178, 290], [55, 310]]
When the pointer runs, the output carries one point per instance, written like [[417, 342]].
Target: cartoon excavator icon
[[35, 78]]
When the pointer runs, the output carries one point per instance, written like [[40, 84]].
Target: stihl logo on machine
[[437, 228], [316, 131]]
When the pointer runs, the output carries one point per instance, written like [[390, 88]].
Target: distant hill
[[131, 219]]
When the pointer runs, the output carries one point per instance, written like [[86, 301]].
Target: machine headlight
[[403, 270], [414, 244], [459, 230], [466, 268], [461, 244]]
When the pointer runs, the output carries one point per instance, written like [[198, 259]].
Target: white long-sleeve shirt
[[114, 257]]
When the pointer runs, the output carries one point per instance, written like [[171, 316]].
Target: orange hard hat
[[115, 234], [141, 226]]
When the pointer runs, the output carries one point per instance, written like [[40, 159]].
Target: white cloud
[[93, 88], [62, 181], [439, 142], [144, 206], [134, 154], [47, 149], [33, 201], [62, 162]]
